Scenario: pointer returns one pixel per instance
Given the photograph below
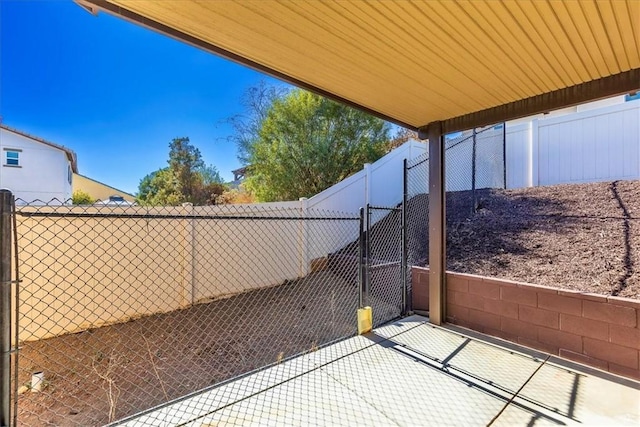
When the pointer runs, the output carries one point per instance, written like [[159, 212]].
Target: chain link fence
[[475, 160], [416, 179], [123, 309]]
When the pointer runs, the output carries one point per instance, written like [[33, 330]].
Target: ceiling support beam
[[617, 84], [437, 225]]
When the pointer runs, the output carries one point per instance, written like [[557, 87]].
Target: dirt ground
[[136, 365], [583, 237], [111, 372]]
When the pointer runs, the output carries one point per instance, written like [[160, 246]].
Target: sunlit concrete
[[412, 373]]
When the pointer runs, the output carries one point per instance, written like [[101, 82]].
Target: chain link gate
[[384, 259]]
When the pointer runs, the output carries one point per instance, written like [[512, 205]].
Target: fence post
[[367, 254], [367, 185], [5, 306], [504, 154], [189, 276], [364, 312], [361, 270], [403, 257], [303, 238], [533, 153], [473, 172]]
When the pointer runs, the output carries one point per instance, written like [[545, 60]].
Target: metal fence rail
[[123, 309]]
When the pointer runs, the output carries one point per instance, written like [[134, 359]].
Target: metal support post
[[504, 155], [437, 224], [473, 172], [361, 272], [6, 199], [403, 257]]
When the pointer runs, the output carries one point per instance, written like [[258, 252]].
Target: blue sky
[[114, 92]]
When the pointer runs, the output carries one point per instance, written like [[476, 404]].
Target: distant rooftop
[[240, 173]]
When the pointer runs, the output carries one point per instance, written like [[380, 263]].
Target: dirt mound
[[584, 237]]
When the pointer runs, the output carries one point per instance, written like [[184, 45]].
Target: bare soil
[[129, 367], [583, 237]]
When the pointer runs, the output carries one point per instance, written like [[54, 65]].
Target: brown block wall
[[600, 331]]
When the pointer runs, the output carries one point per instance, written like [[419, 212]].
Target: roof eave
[[615, 84], [73, 159]]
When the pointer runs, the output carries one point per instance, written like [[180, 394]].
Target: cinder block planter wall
[[595, 330]]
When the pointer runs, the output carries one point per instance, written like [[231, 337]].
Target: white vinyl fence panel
[[518, 155], [594, 145], [379, 183]]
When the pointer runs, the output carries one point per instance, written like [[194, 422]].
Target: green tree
[[210, 175], [159, 188], [80, 197], [185, 163], [186, 179], [307, 143]]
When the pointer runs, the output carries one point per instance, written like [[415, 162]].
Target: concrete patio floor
[[412, 373]]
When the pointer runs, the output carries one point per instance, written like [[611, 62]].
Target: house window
[[69, 174], [12, 157]]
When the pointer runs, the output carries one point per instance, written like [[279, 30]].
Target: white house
[[35, 169]]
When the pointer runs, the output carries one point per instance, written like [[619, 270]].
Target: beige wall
[[80, 273], [98, 190], [83, 272]]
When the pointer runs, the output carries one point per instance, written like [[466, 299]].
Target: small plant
[[82, 198], [155, 369], [107, 375]]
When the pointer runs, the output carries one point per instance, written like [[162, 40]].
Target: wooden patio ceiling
[[464, 63]]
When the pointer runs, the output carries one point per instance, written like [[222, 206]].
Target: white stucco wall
[[43, 171]]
